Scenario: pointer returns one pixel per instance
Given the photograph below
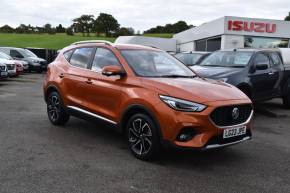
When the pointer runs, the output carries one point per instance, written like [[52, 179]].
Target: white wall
[[210, 29], [187, 47], [232, 41]]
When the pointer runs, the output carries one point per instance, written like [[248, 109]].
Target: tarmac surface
[[36, 156]]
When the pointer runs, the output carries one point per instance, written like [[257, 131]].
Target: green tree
[[47, 28], [84, 24], [170, 28], [106, 23], [6, 29], [124, 31], [22, 28], [287, 18], [60, 29], [69, 31]]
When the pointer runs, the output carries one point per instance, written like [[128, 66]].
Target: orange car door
[[103, 94], [74, 79]]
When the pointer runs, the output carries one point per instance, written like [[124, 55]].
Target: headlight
[[223, 79], [35, 61], [182, 105]]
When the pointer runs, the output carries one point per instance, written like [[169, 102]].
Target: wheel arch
[[286, 88], [246, 88], [51, 88], [138, 108]]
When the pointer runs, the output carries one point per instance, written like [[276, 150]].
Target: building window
[[210, 45], [263, 42], [200, 45]]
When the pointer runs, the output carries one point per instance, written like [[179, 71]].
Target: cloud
[[141, 14]]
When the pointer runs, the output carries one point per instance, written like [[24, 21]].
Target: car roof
[[118, 46], [12, 48], [250, 50], [194, 52]]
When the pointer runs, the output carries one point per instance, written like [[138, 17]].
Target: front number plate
[[4, 73], [235, 131]]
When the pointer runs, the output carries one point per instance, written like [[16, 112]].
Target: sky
[[139, 14]]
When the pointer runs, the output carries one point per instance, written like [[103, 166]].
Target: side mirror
[[113, 70], [261, 66]]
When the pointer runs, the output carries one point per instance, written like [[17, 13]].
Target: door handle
[[61, 75], [89, 81]]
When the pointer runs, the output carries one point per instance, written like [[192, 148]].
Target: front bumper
[[12, 73], [3, 74], [218, 145], [207, 134]]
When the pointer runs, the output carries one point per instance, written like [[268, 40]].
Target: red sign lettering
[[259, 27]]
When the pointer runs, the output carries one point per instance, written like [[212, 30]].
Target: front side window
[[228, 59], [81, 57], [68, 54], [104, 57], [276, 59], [150, 63], [27, 53], [15, 54], [262, 59]]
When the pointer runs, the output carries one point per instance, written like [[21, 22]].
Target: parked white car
[[23, 63], [11, 67], [3, 71]]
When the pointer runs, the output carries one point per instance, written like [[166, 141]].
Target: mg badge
[[235, 113]]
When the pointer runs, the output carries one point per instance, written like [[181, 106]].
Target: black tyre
[[55, 109], [286, 101], [143, 138]]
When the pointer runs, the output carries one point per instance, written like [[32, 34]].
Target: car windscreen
[[27, 53], [228, 59], [150, 63], [189, 59], [5, 56]]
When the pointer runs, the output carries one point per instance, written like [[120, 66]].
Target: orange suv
[[147, 94]]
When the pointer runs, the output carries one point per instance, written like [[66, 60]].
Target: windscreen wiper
[[176, 76]]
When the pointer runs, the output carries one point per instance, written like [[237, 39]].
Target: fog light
[[186, 134], [184, 137]]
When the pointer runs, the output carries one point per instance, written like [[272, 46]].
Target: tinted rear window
[[81, 57]]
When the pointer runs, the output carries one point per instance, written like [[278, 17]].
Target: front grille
[[3, 68], [10, 66], [43, 63], [224, 116]]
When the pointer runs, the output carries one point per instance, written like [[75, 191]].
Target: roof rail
[[92, 41]]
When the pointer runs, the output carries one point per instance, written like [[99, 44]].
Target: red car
[[19, 68]]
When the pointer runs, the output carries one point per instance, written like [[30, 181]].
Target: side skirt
[[92, 117]]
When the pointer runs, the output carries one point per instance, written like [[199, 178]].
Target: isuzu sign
[[247, 26]]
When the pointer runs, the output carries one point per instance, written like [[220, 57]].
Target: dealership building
[[224, 33], [234, 32]]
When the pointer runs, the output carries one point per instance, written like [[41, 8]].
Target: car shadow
[[96, 135], [273, 108]]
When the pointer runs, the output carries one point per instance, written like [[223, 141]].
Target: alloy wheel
[[140, 136], [53, 108]]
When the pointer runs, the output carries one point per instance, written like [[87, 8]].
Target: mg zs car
[[148, 95]]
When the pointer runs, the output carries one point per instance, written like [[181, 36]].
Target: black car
[[260, 74], [192, 58]]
